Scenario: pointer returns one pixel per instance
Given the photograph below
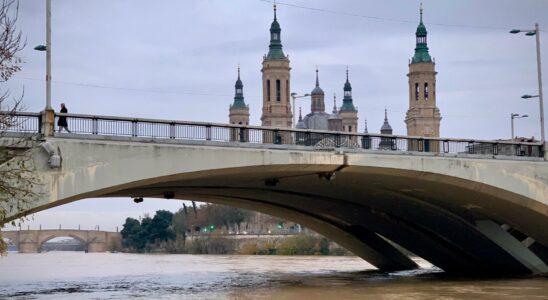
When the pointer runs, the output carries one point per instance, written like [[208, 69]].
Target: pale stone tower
[[276, 85], [423, 117], [239, 111], [348, 111]]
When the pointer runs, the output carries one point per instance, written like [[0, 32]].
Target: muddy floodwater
[[78, 275]]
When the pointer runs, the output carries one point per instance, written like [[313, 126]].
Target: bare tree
[[17, 181]]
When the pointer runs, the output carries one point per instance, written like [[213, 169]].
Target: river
[[77, 275]]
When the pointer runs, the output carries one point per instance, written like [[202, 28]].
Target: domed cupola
[[317, 96], [386, 128], [317, 90]]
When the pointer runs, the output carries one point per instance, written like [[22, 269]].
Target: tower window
[[350, 128], [268, 90], [347, 93], [278, 87], [426, 91], [274, 36], [417, 91], [238, 91]]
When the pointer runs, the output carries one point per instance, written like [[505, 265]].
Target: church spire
[[275, 47], [239, 92], [348, 104], [421, 49], [386, 128]]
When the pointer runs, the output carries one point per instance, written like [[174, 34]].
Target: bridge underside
[[458, 230]]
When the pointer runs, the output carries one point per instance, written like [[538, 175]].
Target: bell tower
[[239, 111], [348, 111], [423, 116], [276, 82]]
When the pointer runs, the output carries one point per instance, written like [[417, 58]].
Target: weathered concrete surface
[[30, 241], [425, 203]]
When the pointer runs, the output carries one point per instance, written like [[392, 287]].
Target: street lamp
[[536, 32], [47, 48], [515, 116], [295, 96]]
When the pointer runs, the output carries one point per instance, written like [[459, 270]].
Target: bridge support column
[[97, 247], [28, 247], [511, 245]]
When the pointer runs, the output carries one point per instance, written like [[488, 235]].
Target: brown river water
[[77, 275]]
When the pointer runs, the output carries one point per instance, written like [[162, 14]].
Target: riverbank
[[299, 244]]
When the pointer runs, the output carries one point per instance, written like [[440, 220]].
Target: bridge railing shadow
[[315, 139]]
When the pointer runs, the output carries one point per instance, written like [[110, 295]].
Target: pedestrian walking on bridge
[[62, 122]]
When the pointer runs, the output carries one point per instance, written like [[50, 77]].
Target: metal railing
[[20, 122], [316, 139]]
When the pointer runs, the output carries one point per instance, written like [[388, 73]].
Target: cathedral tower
[[276, 85], [423, 117], [239, 111], [348, 111]]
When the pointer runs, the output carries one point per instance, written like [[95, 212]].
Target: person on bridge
[[62, 122]]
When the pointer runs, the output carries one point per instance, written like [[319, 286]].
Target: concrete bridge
[[465, 206], [30, 241]]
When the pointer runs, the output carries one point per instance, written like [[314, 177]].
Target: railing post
[[40, 123], [366, 142], [495, 149], [471, 147], [172, 130], [134, 128], [426, 145], [242, 134], [277, 137], [208, 132], [337, 140], [394, 143], [94, 125], [446, 146]]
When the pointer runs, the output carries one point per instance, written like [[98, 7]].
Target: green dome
[[239, 101], [421, 30], [275, 48], [421, 49]]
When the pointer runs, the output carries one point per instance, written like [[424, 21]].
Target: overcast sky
[[174, 59]]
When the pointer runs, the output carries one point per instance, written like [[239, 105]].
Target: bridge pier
[[511, 245]]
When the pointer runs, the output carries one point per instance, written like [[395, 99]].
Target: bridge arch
[[58, 234], [455, 206]]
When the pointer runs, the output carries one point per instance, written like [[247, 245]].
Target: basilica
[[422, 118]]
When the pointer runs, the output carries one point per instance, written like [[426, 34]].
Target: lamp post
[[515, 116], [536, 32], [295, 96], [47, 48]]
